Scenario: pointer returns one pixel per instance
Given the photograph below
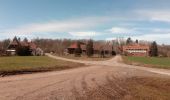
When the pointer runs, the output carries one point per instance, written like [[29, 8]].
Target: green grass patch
[[18, 64], [149, 61]]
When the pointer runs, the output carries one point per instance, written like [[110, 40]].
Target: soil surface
[[102, 80]]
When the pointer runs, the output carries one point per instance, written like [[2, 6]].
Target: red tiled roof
[[136, 46], [73, 45]]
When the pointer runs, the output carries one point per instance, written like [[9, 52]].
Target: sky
[[83, 19]]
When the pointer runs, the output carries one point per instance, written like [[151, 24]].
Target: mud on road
[[96, 82]]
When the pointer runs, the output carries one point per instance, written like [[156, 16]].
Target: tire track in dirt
[[87, 91], [37, 90], [104, 81], [112, 90], [81, 91], [104, 91]]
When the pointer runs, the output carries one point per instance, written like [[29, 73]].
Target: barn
[[97, 49], [136, 50]]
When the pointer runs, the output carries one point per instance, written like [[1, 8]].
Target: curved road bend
[[115, 61], [75, 84]]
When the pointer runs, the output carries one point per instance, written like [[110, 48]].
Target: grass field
[[15, 65], [148, 61]]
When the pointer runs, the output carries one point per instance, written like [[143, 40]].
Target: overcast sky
[[77, 19]]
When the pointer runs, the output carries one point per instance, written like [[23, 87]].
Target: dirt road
[[101, 80]]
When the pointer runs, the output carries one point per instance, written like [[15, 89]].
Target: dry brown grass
[[83, 57], [133, 88], [148, 88]]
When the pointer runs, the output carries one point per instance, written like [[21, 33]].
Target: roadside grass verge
[[29, 64], [155, 62], [149, 88], [84, 57], [130, 88]]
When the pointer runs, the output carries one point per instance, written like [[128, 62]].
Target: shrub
[[23, 51]]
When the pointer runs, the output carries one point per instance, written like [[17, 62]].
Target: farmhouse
[[97, 49], [136, 50], [13, 46]]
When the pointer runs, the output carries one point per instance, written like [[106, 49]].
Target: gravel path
[[115, 61], [86, 83]]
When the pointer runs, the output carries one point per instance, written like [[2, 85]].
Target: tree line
[[58, 46]]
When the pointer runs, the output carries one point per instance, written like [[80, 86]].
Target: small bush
[[23, 51]]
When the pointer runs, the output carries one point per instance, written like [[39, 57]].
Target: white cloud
[[160, 30], [84, 34], [59, 26], [54, 29], [154, 15], [121, 30], [112, 38], [160, 38]]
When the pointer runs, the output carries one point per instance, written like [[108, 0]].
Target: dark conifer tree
[[154, 49], [129, 41], [137, 41], [25, 40], [23, 51], [89, 48]]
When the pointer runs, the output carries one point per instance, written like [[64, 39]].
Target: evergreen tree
[[89, 48], [154, 49], [129, 41], [25, 40], [23, 51], [137, 41]]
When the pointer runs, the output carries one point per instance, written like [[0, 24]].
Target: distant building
[[15, 43], [107, 49], [136, 50], [71, 49]]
